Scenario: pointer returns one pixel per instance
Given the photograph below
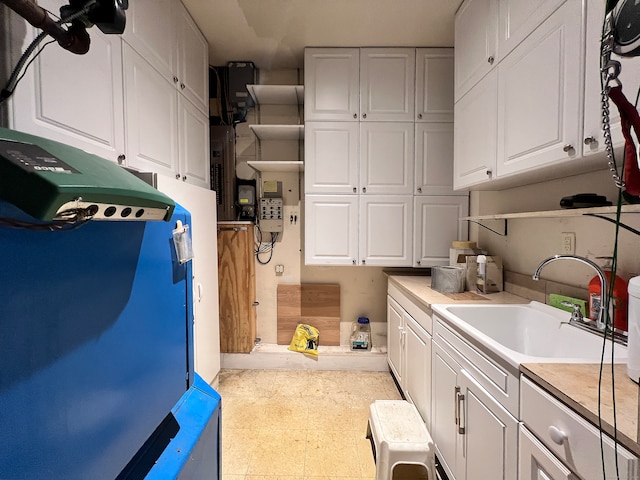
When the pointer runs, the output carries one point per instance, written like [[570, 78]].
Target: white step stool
[[399, 436]]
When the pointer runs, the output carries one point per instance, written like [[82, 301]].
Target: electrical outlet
[[279, 270], [568, 246]]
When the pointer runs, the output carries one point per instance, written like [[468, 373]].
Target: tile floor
[[299, 425]]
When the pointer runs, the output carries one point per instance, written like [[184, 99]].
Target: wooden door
[[236, 287]]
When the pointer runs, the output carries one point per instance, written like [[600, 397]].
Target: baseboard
[[279, 357]]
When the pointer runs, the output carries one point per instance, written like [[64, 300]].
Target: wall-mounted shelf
[[278, 132], [277, 166], [277, 94], [597, 212]]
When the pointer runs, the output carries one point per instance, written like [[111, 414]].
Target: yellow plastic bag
[[305, 340]]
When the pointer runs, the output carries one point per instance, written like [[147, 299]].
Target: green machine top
[[48, 179]]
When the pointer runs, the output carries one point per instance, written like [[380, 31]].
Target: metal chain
[[609, 71]]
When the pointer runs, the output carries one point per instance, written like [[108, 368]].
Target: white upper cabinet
[[331, 153], [387, 83], [193, 60], [592, 138], [193, 144], [74, 99], [151, 31], [171, 42], [434, 159], [387, 151], [332, 84], [475, 134], [151, 117], [518, 18], [539, 95], [476, 43], [434, 85]]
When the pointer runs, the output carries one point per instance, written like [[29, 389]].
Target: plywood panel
[[317, 305], [237, 287]]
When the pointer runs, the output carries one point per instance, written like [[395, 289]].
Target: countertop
[[419, 289], [574, 384]]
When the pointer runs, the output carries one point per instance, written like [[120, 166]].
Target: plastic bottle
[[361, 334], [482, 273], [619, 301]]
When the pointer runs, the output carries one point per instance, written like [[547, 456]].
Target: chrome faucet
[[604, 297]]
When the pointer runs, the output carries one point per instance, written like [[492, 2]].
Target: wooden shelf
[[597, 212], [278, 132], [569, 212], [277, 94], [277, 166]]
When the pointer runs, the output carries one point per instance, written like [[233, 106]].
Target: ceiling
[[273, 33]]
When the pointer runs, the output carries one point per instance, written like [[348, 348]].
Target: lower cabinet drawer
[[571, 438], [536, 461]]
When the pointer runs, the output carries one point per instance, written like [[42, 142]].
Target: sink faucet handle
[[576, 315]]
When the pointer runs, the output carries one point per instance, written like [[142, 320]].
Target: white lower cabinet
[[475, 436], [536, 462], [567, 438], [409, 349]]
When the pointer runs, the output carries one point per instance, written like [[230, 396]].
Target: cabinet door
[[331, 84], [386, 230], [539, 95], [444, 429], [476, 32], [331, 157], [386, 158], [417, 372], [151, 31], [434, 85], [535, 462], [395, 338], [151, 117], [475, 134], [518, 18], [593, 139], [74, 99], [436, 225], [193, 139], [193, 60], [387, 79], [490, 435], [331, 230], [433, 159]]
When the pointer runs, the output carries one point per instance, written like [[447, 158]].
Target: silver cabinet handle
[[255, 304], [355, 115], [419, 115], [489, 173], [567, 148], [364, 262], [364, 115], [353, 262], [175, 79], [419, 189], [557, 435], [364, 189], [121, 158], [184, 178], [418, 262], [355, 190], [182, 86], [460, 407], [590, 140], [456, 410], [177, 176], [490, 60]]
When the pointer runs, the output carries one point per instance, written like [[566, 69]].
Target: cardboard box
[[494, 279]]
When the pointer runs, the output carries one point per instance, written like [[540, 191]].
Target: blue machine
[[96, 356]]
